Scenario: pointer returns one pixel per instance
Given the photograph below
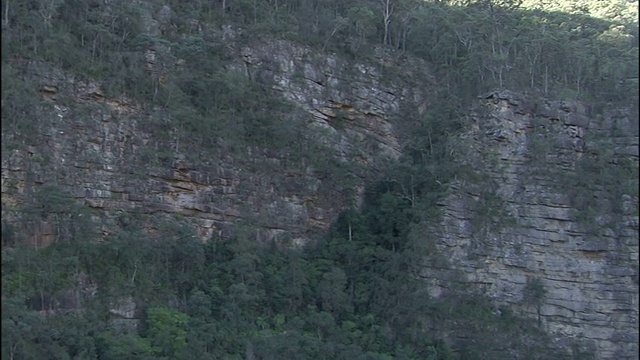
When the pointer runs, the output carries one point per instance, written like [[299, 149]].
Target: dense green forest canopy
[[352, 295], [573, 49]]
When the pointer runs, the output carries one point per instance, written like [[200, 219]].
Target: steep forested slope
[[318, 179]]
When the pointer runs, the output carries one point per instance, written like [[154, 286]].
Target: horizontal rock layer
[[534, 229]]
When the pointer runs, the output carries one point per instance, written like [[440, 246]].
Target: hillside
[[319, 179]]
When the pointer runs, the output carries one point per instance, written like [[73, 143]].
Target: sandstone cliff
[[539, 233], [99, 148], [521, 222]]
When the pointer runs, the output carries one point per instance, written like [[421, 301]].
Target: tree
[[535, 295], [333, 297], [388, 7], [167, 331]]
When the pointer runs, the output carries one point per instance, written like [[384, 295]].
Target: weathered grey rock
[[591, 281], [99, 156], [587, 267]]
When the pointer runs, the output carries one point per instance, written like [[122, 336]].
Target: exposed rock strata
[[97, 148], [533, 231]]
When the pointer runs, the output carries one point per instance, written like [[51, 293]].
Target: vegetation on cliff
[[354, 293]]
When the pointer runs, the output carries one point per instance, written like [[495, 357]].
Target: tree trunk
[[387, 11], [6, 24]]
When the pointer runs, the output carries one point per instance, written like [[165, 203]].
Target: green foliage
[[20, 106], [125, 346], [534, 294], [489, 211], [352, 295], [27, 335], [8, 234], [613, 175], [473, 317], [167, 331], [589, 50], [53, 204], [599, 180], [355, 294]]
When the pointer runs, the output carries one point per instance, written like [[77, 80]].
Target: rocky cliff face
[[556, 248], [102, 150], [518, 231]]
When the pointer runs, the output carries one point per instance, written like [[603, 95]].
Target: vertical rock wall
[[515, 225], [523, 223], [102, 150]]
